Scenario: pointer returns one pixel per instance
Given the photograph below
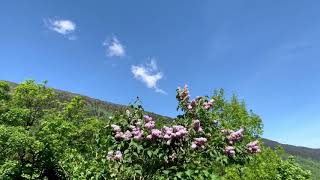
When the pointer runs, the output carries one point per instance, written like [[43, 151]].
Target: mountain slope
[[296, 150], [97, 106]]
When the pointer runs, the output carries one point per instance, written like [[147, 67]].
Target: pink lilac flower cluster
[[127, 135], [208, 105], [176, 131], [167, 132], [155, 134], [230, 151], [199, 142], [179, 131], [150, 123], [116, 128], [253, 147], [196, 126], [114, 156], [233, 136], [183, 94], [193, 103], [136, 133], [147, 118]]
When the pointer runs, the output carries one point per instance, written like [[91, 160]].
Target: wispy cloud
[[114, 48], [62, 26], [149, 75]]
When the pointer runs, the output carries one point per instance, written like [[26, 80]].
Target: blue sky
[[266, 52]]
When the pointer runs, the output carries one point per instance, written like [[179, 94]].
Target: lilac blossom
[[198, 142], [230, 151], [196, 126], [235, 136], [114, 156], [174, 132], [183, 94], [147, 118], [149, 137], [150, 125], [138, 137], [192, 105], [127, 135], [194, 145], [155, 133], [179, 130], [119, 135], [253, 147], [137, 133], [118, 155], [116, 128], [207, 105]]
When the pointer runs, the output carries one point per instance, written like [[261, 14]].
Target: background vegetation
[[45, 133]]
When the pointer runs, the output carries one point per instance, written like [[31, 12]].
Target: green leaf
[[155, 152], [138, 172], [166, 172], [179, 174], [188, 172]]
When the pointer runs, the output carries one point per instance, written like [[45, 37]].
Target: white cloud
[[149, 75], [115, 48], [62, 26]]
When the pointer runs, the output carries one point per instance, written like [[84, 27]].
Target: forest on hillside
[[45, 137]]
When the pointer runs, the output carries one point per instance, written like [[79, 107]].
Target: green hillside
[[307, 157], [312, 165]]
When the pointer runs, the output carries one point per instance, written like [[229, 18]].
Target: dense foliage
[[42, 137], [310, 164]]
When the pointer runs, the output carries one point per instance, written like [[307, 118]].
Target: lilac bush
[[198, 139]]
